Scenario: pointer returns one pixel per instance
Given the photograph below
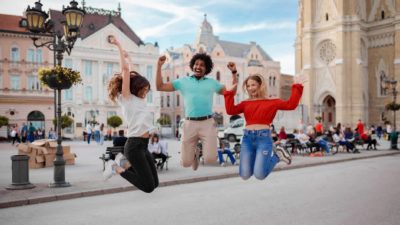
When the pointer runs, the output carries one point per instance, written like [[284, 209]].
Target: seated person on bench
[[156, 149], [120, 140], [225, 150]]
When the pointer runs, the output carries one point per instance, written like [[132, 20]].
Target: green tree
[[114, 121], [3, 121], [66, 121], [164, 120]]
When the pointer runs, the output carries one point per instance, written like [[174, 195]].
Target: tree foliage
[[114, 121]]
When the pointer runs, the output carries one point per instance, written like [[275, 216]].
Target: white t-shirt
[[137, 115], [154, 148], [88, 129]]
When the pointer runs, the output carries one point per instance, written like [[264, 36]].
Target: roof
[[11, 23], [94, 22], [240, 50]]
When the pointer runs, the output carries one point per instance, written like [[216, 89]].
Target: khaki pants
[[193, 131]]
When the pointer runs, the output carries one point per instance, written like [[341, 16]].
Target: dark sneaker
[[196, 160], [283, 155]]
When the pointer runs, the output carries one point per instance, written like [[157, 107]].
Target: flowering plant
[[59, 77], [392, 106]]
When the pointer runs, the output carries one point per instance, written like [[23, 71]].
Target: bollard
[[20, 173]]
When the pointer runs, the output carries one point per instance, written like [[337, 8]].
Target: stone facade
[[22, 97], [346, 49]]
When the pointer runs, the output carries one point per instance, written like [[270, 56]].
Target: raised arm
[[230, 106], [297, 91], [232, 67], [124, 68], [161, 86]]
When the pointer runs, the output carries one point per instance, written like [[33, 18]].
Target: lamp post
[[391, 85], [37, 22]]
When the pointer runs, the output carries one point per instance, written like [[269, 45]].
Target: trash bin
[[393, 140], [20, 173]]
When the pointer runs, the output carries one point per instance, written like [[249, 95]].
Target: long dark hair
[[206, 59], [136, 83]]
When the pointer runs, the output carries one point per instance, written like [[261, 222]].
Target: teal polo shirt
[[197, 94]]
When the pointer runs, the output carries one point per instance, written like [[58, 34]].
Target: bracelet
[[235, 71]]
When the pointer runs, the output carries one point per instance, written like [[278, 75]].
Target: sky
[[173, 23]]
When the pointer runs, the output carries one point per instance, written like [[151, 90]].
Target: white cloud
[[253, 27]]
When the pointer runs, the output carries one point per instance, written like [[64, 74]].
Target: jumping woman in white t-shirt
[[129, 89]]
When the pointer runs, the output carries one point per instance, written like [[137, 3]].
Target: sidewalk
[[86, 175]]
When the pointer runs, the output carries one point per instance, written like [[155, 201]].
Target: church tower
[[347, 49]]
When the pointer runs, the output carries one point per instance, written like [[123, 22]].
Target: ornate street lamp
[[391, 85], [37, 22]]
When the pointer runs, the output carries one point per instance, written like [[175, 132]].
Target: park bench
[[110, 153]]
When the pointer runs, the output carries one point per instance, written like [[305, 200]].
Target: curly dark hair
[[206, 59], [136, 83]]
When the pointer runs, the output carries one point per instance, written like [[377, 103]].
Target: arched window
[[14, 54], [167, 79], [218, 76], [270, 81], [168, 101], [177, 100], [383, 14], [327, 17], [273, 84], [382, 78]]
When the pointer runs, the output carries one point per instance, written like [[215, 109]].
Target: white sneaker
[[119, 159], [283, 155], [109, 171], [222, 164], [236, 163]]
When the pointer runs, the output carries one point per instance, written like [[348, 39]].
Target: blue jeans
[[256, 154], [88, 138], [228, 152], [323, 144]]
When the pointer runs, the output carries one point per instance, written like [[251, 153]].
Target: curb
[[73, 195]]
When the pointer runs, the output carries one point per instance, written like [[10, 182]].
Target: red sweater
[[262, 111]]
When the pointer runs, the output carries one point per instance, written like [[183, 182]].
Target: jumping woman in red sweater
[[256, 154]]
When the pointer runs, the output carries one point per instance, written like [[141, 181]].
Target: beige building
[[347, 49], [249, 58], [22, 97]]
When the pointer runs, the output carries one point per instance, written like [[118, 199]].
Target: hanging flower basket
[[59, 77], [392, 106]]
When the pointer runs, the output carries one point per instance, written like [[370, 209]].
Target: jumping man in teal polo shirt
[[197, 91]]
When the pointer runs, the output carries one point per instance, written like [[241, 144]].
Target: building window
[[109, 69], [178, 100], [1, 82], [329, 117], [68, 63], [218, 76], [68, 94], [33, 83], [168, 101], [111, 113], [30, 56], [88, 68], [382, 78], [273, 82], [88, 94], [162, 101], [39, 58], [168, 79], [149, 73], [327, 17], [150, 97], [15, 82], [270, 81], [14, 54], [177, 76], [382, 14]]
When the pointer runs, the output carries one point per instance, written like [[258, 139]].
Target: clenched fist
[[162, 60]]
